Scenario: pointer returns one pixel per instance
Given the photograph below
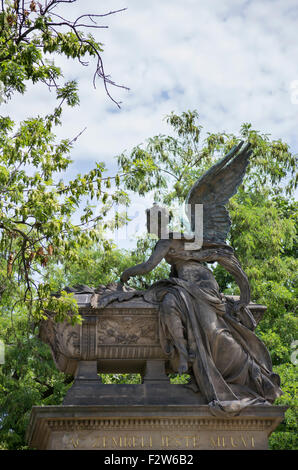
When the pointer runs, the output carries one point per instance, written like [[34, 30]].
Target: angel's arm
[[228, 260], [233, 266], [159, 252]]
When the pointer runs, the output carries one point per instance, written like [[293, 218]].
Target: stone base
[[156, 389], [150, 427]]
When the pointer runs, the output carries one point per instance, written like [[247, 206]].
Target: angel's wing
[[214, 189]]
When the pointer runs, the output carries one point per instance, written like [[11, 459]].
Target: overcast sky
[[232, 60]]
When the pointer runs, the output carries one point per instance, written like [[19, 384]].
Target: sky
[[233, 61]]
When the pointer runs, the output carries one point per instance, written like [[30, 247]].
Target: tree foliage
[[172, 163], [45, 217], [27, 378], [37, 204]]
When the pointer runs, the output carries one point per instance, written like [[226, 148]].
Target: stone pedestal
[[150, 427]]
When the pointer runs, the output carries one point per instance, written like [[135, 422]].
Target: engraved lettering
[[74, 442], [96, 443], [234, 444], [192, 441], [218, 442], [187, 438], [130, 441], [143, 441]]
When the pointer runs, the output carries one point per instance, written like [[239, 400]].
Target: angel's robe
[[231, 365]]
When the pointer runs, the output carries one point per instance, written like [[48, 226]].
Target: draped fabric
[[231, 366]]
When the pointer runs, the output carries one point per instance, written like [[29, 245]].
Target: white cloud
[[234, 61]]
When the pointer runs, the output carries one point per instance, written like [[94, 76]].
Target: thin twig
[[77, 136]]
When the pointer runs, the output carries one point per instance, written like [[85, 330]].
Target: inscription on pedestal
[[150, 427], [160, 441]]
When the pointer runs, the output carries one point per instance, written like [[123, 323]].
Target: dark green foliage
[[286, 436], [27, 378]]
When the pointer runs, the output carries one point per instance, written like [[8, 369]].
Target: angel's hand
[[126, 275]]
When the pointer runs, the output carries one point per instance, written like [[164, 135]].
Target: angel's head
[[159, 223], [158, 219]]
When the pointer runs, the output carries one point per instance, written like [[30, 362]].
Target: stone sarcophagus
[[121, 337]]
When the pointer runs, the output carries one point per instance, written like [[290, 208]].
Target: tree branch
[[24, 29]]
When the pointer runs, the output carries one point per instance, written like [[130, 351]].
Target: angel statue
[[204, 333]]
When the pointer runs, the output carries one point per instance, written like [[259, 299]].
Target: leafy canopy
[[37, 205], [172, 163]]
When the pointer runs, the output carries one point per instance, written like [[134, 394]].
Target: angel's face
[[157, 222], [159, 229]]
